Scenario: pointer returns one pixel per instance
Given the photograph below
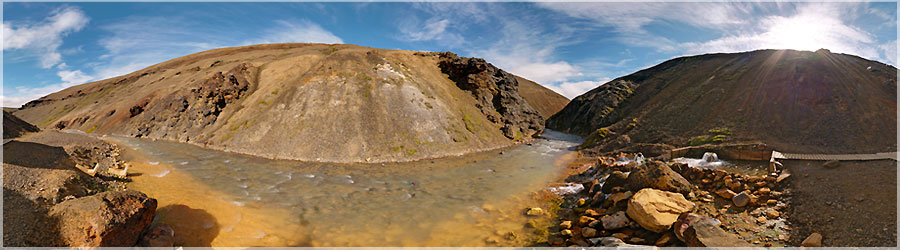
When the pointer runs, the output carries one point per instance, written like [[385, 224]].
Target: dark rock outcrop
[[496, 93], [181, 116], [658, 175], [14, 127], [110, 219]]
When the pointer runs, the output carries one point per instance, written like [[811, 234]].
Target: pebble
[[773, 213]]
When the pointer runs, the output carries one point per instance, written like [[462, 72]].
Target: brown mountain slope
[[315, 102], [14, 127], [794, 101], [543, 99]]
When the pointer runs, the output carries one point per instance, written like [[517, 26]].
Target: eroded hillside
[[315, 102]]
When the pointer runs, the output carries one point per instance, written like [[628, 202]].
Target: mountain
[[313, 102], [793, 101], [541, 98]]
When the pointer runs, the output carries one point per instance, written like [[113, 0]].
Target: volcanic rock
[[657, 175], [109, 219]]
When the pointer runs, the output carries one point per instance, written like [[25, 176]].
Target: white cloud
[[297, 31], [435, 29], [73, 77], [574, 89], [526, 51], [44, 38]]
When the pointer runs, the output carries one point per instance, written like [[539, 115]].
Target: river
[[215, 198]]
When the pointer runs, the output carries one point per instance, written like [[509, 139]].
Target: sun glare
[[797, 33]]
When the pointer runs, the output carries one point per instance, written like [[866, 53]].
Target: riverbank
[[50, 201], [782, 209]]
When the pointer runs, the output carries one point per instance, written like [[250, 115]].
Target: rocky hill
[[541, 98], [314, 102], [794, 101], [14, 127]]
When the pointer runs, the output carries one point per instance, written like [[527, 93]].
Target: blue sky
[[568, 47]]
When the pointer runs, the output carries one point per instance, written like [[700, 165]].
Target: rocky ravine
[[794, 101], [314, 102]]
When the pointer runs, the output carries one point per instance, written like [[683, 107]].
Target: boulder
[[741, 199], [831, 164], [656, 210], [813, 240], [161, 235], [657, 175], [702, 231], [615, 221], [588, 232], [615, 179], [109, 219]]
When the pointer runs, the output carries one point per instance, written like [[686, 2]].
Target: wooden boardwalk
[[838, 157]]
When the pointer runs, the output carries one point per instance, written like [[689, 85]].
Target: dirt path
[[853, 205]]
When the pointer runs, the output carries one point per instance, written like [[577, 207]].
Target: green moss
[[720, 131], [595, 137], [264, 102], [91, 130], [398, 148], [411, 152], [275, 92]]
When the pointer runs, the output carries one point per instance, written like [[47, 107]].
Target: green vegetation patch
[[595, 137], [91, 130]]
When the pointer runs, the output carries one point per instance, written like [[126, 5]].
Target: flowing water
[[215, 198]]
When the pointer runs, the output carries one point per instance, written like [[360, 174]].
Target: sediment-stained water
[[215, 198]]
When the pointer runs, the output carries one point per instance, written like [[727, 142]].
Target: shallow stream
[[215, 198]]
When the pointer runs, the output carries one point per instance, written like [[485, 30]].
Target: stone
[[658, 175], [566, 232], [617, 197], [597, 199], [615, 179], [592, 213], [665, 240], [534, 211], [735, 185], [584, 220], [565, 224], [773, 213], [588, 232], [831, 164], [607, 242], [771, 202], [637, 241], [782, 177], [813, 240], [581, 202], [596, 224], [741, 199], [620, 236], [725, 193], [761, 220], [161, 235], [108, 219], [656, 210], [615, 221], [763, 190], [702, 231]]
